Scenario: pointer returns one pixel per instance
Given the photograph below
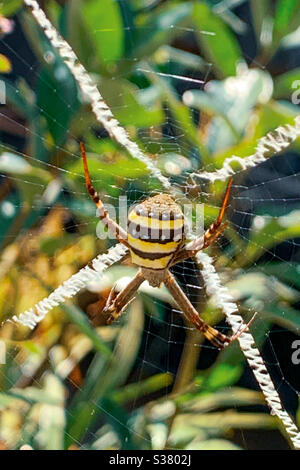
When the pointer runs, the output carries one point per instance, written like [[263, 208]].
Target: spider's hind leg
[[214, 336], [117, 302]]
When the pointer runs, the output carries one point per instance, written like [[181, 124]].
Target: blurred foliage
[[71, 384]]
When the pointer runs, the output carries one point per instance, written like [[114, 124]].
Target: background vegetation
[[73, 382]]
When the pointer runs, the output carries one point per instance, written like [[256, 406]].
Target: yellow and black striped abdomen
[[155, 231]]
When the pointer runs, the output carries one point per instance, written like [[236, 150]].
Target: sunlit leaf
[[217, 40], [57, 98], [52, 417], [123, 99], [223, 375], [104, 22], [9, 7], [287, 85], [160, 29], [212, 444], [5, 64], [287, 12]]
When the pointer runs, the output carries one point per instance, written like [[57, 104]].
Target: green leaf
[[224, 421], [30, 395], [213, 444], [104, 21], [12, 163], [52, 417], [286, 272], [256, 290], [224, 10], [180, 112], [78, 317], [106, 175], [274, 232], [31, 181], [160, 29], [82, 409], [268, 117], [168, 55], [227, 397], [261, 11], [211, 104], [232, 99], [118, 418], [81, 37], [50, 245], [129, 24], [283, 315], [116, 372], [19, 98], [298, 415], [123, 99], [223, 375], [133, 391], [5, 64], [286, 84], [57, 98], [129, 341], [287, 13], [216, 39], [9, 7]]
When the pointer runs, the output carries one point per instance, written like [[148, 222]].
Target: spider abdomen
[[155, 231]]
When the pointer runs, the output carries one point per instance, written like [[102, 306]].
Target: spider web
[[262, 278]]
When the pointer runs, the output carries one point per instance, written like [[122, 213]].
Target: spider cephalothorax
[[156, 241]]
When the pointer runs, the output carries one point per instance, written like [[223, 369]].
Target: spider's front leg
[[116, 303], [112, 226], [210, 235]]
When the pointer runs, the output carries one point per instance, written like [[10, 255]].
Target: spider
[[156, 241]]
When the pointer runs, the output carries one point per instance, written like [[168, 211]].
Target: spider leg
[[116, 303], [216, 337], [112, 226], [204, 242], [243, 328], [210, 235]]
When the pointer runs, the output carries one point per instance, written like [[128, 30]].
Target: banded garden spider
[[156, 241]]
